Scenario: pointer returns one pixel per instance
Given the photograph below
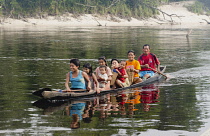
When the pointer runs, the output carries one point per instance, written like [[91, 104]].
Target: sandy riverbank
[[182, 17]]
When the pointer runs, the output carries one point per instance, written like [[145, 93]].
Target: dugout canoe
[[159, 76]]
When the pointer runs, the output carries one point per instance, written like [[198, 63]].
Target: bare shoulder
[[94, 75], [84, 73], [68, 73]]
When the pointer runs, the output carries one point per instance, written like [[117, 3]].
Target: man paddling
[[149, 62]]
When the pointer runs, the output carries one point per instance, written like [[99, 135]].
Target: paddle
[[130, 76], [158, 72], [114, 77]]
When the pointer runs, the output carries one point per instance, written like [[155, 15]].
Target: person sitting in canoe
[[122, 75], [149, 62], [114, 65], [102, 62], [76, 77], [87, 67], [133, 67], [103, 75]]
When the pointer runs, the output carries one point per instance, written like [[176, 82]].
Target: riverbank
[[174, 13]]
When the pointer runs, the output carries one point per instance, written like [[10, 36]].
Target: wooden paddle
[[158, 72], [130, 76], [114, 77]]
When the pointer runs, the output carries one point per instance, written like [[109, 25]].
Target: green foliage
[[198, 8], [206, 3], [177, 0], [121, 8], [1, 6]]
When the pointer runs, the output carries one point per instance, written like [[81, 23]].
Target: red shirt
[[122, 71], [150, 59], [149, 96]]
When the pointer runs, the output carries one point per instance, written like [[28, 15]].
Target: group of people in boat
[[121, 74]]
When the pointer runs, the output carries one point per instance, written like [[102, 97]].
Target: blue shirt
[[77, 108], [77, 82]]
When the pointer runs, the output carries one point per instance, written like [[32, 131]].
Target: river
[[33, 58]]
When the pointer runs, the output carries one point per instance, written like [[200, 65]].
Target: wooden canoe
[[69, 95]]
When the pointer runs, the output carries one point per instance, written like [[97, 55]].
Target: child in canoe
[[133, 66], [102, 75], [102, 62], [92, 77], [76, 77], [114, 65], [122, 75]]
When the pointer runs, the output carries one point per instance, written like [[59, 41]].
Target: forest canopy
[[121, 8]]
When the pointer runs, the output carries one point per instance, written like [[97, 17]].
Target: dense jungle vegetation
[[121, 8]]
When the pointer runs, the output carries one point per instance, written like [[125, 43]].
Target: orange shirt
[[133, 64], [136, 99]]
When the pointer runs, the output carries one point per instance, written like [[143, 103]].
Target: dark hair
[[123, 61], [131, 51], [146, 45], [89, 66], [103, 67], [75, 62], [114, 60], [104, 59]]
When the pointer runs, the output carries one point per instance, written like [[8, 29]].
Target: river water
[[35, 58]]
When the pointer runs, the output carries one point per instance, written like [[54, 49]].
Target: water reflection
[[123, 104], [149, 95], [34, 59]]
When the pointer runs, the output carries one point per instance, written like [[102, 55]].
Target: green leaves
[[121, 8], [198, 8]]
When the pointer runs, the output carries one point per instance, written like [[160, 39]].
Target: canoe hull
[[53, 94], [70, 95]]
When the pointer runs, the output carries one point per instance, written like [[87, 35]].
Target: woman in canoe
[[102, 62], [76, 77], [133, 66], [87, 67]]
